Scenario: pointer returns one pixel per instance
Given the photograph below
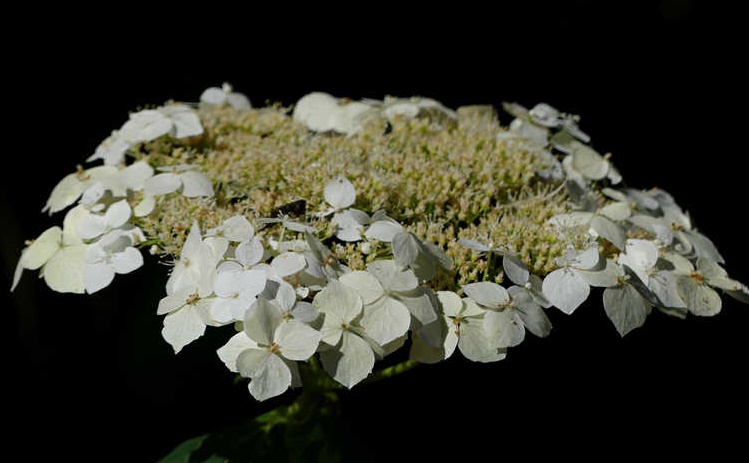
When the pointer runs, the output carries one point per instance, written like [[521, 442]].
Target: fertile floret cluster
[[337, 232]]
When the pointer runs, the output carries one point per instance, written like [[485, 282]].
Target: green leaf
[[184, 451]]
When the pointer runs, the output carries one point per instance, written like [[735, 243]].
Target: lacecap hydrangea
[[333, 233]]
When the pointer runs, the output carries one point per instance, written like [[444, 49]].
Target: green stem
[[391, 371]]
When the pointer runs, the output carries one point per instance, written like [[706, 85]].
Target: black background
[[658, 84]]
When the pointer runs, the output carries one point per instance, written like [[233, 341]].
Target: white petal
[[504, 328], [145, 206], [340, 304], [261, 321], [392, 277], [93, 227], [406, 249], [349, 224], [65, 193], [172, 302], [117, 214], [450, 302], [611, 231], [532, 315], [126, 261], [474, 343], [297, 340], [186, 122], [588, 162], [664, 285], [699, 298], [639, 254], [565, 289], [625, 307], [515, 269], [229, 352], [238, 229], [145, 125], [383, 230], [316, 110], [607, 276], [703, 247], [250, 252], [135, 175], [616, 211], [41, 249], [385, 320], [425, 352], [195, 184], [339, 192], [487, 294], [366, 284], [183, 327], [420, 302], [351, 363], [162, 184], [271, 377], [288, 263], [213, 96], [587, 259], [96, 277], [239, 101], [305, 312], [64, 271]]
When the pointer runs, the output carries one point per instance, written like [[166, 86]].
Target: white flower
[[235, 229], [322, 264], [566, 288], [353, 356], [112, 150], [176, 120], [323, 112], [349, 223], [217, 96], [414, 107], [421, 257], [641, 258], [624, 303], [268, 356], [465, 329], [383, 228], [71, 187], [584, 164], [112, 254], [95, 225], [502, 324], [59, 253], [235, 292], [391, 296], [181, 176], [187, 305], [284, 295]]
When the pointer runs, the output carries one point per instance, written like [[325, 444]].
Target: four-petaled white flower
[[566, 288], [349, 222], [466, 330], [352, 354], [181, 176], [59, 253], [268, 349], [224, 95], [187, 305], [111, 254], [391, 296], [641, 258], [176, 120]]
